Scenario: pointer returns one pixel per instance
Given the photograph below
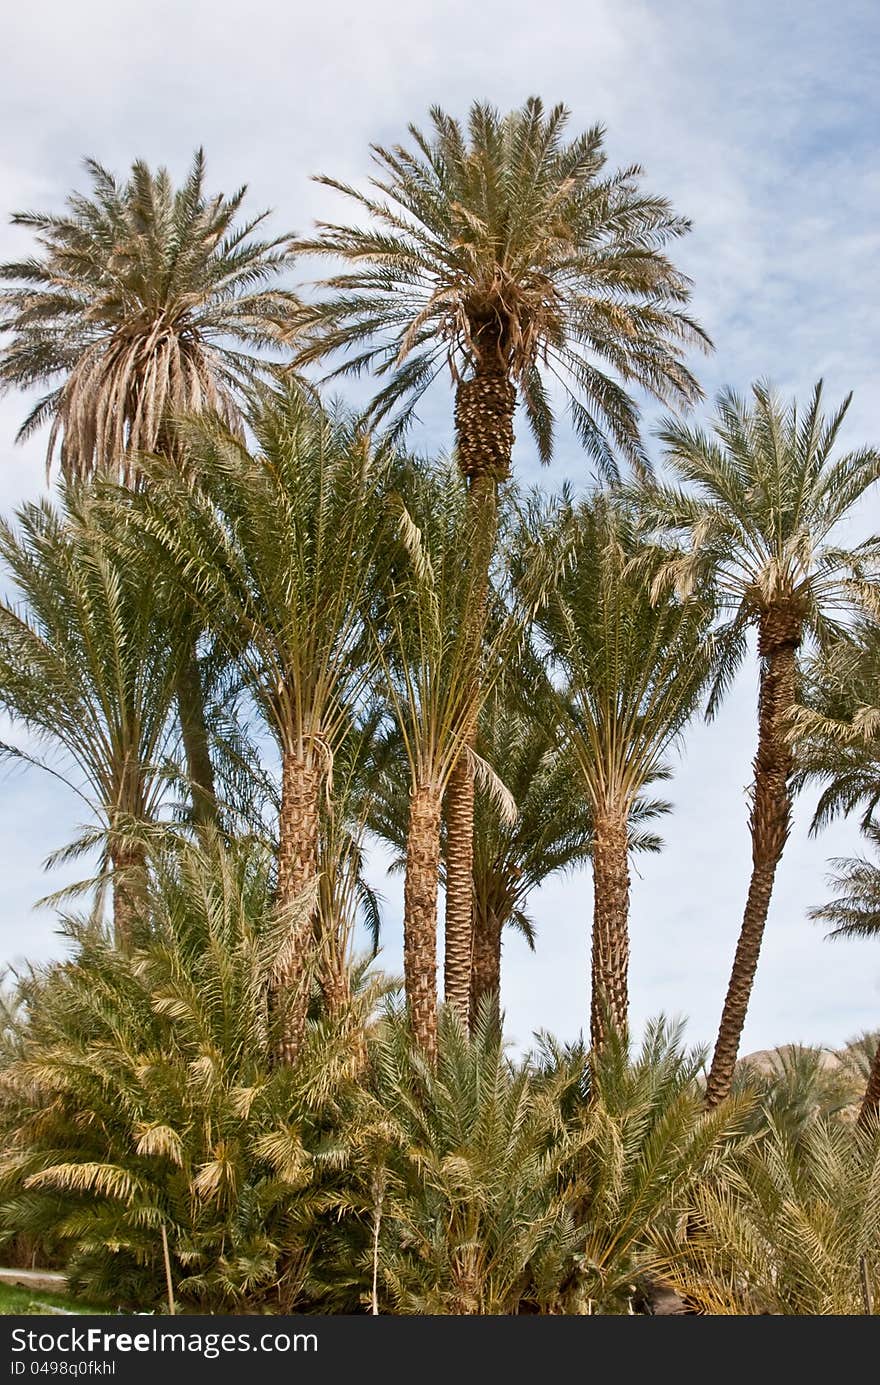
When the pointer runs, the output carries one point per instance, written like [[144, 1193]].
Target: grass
[[20, 1300]]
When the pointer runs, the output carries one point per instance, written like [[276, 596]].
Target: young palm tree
[[465, 1171], [648, 1145], [631, 672], [142, 1108], [278, 549], [792, 1230], [428, 660], [87, 664], [757, 512], [144, 302], [509, 258], [855, 913]]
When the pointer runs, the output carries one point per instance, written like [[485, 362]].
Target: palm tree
[[855, 913], [148, 1109], [143, 303], [87, 664], [279, 551], [468, 1167], [756, 513], [792, 1230], [630, 672], [507, 257], [647, 1147], [428, 662]]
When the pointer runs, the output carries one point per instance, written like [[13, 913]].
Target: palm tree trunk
[[420, 914], [459, 887], [484, 409], [486, 973], [194, 731], [770, 823], [297, 872], [609, 1008], [129, 870], [870, 1107]]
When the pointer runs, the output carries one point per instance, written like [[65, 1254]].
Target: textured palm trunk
[[458, 933], [297, 872], [194, 732], [870, 1107], [420, 914], [484, 409], [609, 1004], [486, 972], [770, 822], [129, 888]]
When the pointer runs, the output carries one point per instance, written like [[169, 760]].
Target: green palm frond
[[629, 669]]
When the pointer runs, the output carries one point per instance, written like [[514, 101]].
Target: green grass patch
[[14, 1299]]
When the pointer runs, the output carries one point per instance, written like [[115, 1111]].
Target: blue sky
[[759, 120]]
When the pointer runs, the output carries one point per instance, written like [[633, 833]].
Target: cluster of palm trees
[[258, 622]]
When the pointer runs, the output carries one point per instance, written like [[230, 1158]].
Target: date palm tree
[[143, 302], [87, 670], [629, 673], [278, 548], [756, 510], [508, 258]]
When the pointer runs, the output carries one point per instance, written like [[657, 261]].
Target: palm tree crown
[[507, 248], [144, 302], [757, 509]]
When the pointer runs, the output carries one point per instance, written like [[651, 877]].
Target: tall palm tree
[[756, 512], [630, 672], [855, 913], [279, 549], [87, 664], [144, 302], [508, 258], [428, 660]]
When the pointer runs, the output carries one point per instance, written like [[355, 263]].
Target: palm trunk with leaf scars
[[127, 853], [194, 733], [128, 865], [420, 914], [484, 409], [486, 971], [870, 1107], [297, 872], [779, 637], [609, 1006]]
